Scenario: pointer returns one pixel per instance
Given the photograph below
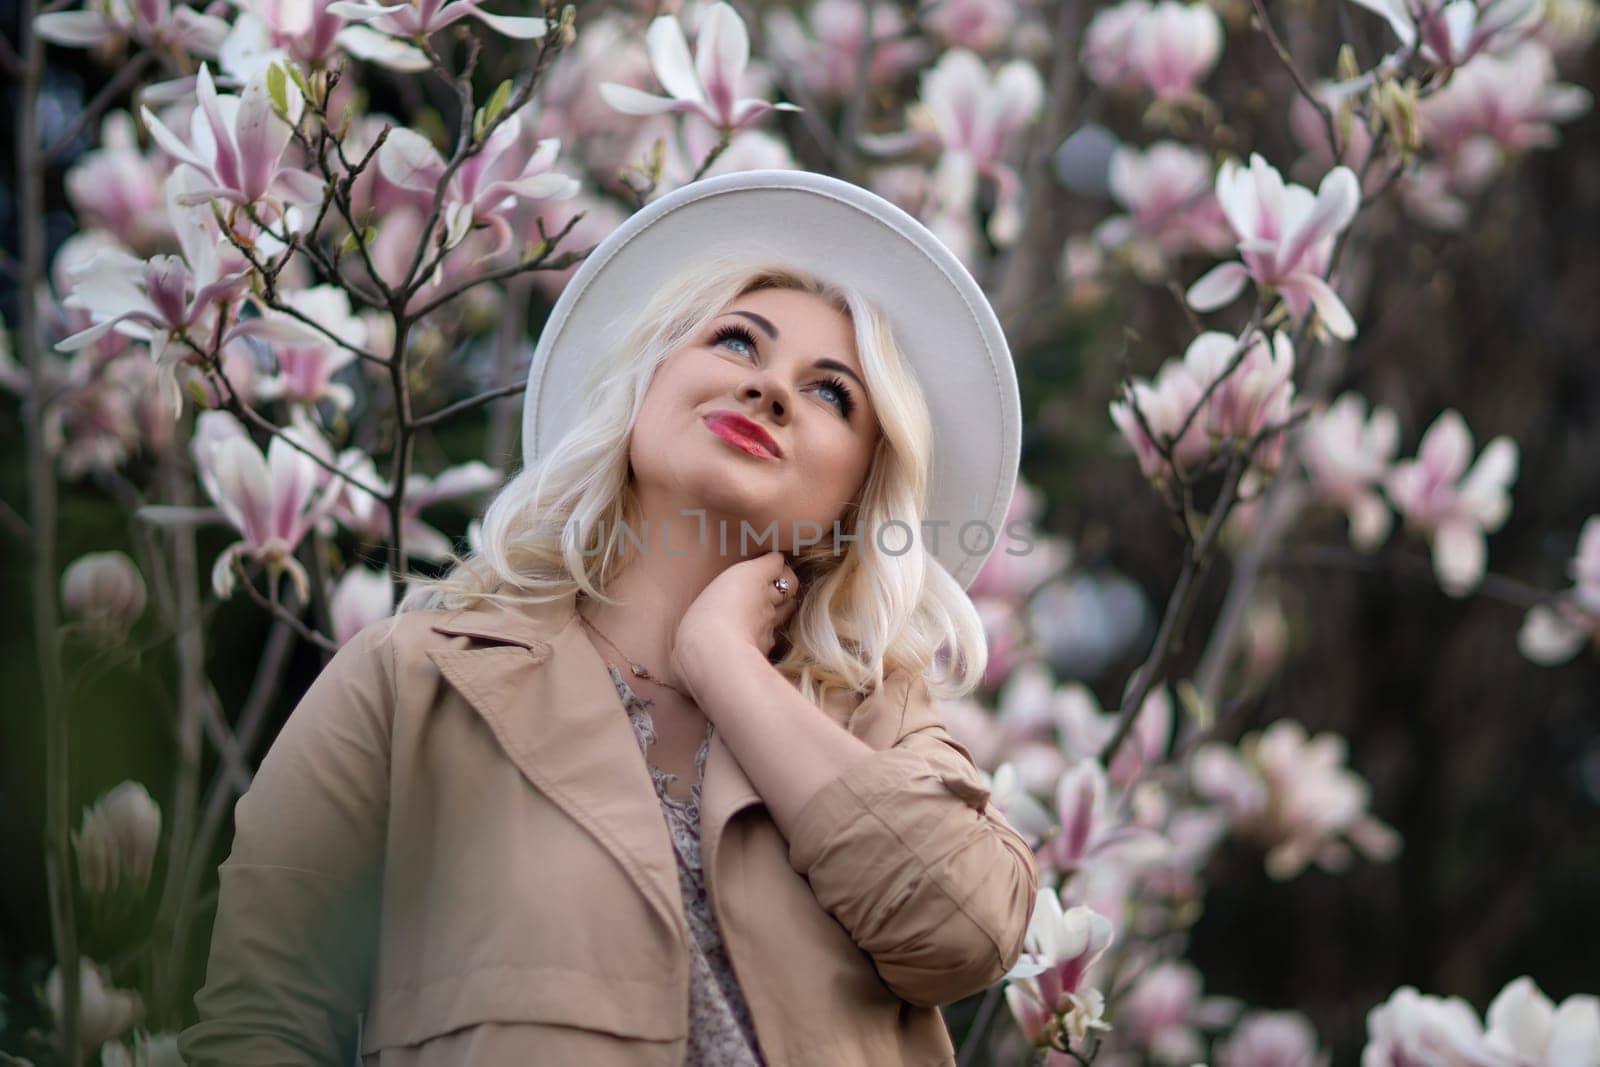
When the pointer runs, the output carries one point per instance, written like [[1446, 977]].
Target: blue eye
[[735, 333]]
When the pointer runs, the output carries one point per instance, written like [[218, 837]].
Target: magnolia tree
[[310, 235]]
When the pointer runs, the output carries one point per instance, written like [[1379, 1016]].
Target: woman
[[657, 775]]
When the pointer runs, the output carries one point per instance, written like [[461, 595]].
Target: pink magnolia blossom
[[824, 52], [707, 85], [1271, 1039], [1166, 191], [485, 185], [1529, 1030], [1164, 406], [116, 187], [975, 121], [1022, 559], [156, 24], [1554, 632], [412, 18], [237, 144], [1413, 1028], [1348, 455], [1495, 107], [309, 34], [272, 500], [305, 368], [1164, 1012], [1005, 636], [1452, 505], [1167, 48], [173, 304], [1049, 991], [1090, 823], [1286, 236], [981, 25], [1292, 794], [1253, 398], [1450, 32], [1085, 730], [357, 510], [361, 597]]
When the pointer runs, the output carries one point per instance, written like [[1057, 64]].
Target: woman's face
[[785, 361]]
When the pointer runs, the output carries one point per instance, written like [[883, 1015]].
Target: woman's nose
[[768, 395]]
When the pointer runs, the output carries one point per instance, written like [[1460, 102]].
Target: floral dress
[[721, 1033]]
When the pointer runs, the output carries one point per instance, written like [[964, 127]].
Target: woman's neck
[[680, 557]]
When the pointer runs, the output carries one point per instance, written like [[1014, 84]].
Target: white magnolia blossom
[[1453, 505], [1554, 632]]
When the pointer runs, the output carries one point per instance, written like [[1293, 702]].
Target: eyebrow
[[821, 364]]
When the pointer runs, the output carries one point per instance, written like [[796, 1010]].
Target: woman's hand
[[742, 607]]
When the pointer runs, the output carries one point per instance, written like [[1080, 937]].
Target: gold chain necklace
[[639, 669]]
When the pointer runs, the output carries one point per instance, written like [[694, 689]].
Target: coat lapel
[[545, 693]]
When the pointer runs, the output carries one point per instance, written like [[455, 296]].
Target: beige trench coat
[[455, 837]]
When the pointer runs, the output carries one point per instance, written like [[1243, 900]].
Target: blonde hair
[[863, 614]]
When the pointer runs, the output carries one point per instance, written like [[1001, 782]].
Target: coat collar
[[541, 685]]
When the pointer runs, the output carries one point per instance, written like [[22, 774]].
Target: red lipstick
[[742, 433]]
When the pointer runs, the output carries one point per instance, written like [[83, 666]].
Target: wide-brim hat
[[842, 233]]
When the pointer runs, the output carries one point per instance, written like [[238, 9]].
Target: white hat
[[842, 233]]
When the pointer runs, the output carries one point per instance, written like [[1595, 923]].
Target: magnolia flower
[[1087, 729], [1455, 506], [1286, 237], [412, 18], [981, 25], [486, 184], [118, 188], [1166, 48], [272, 500], [156, 24], [103, 1011], [360, 512], [361, 597], [1024, 559], [1348, 455], [116, 845], [1412, 1028], [1450, 32], [1164, 1012], [103, 592], [237, 147], [974, 119], [1253, 397], [824, 53], [1554, 632], [1151, 414], [1271, 1039], [1496, 106], [1089, 823], [1049, 990], [709, 84], [305, 368], [1167, 192], [309, 34], [1353, 135], [1530, 1031], [1293, 795]]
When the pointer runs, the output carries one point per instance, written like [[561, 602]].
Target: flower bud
[[116, 844], [103, 1011], [104, 592]]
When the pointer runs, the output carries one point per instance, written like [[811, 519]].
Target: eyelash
[[846, 403]]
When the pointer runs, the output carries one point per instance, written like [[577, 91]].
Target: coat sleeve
[[298, 903], [904, 850]]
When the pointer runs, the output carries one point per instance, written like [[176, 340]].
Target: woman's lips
[[729, 430]]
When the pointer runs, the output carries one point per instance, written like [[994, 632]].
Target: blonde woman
[[657, 775]]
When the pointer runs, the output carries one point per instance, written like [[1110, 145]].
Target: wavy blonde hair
[[863, 613]]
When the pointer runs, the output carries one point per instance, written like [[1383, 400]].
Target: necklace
[[639, 669]]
